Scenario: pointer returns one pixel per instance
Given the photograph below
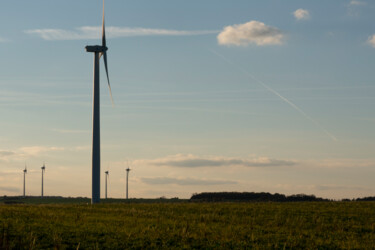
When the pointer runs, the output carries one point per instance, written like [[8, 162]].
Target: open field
[[189, 225], [58, 200]]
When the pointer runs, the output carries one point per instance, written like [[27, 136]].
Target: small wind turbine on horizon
[[24, 181], [43, 170], [106, 179], [98, 50], [127, 182]]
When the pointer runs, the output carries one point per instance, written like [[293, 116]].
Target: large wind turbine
[[98, 50], [43, 170], [24, 181]]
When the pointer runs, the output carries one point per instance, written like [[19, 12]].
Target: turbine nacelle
[[96, 48]]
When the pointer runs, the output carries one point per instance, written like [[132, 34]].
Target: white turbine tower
[[127, 182], [43, 170], [98, 50], [24, 181], [106, 179]]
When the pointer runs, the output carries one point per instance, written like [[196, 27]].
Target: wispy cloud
[[31, 151], [252, 32], [192, 161], [9, 172], [94, 32], [339, 187], [69, 131], [301, 14], [342, 163], [354, 7], [37, 150], [6, 153], [184, 181], [82, 148], [357, 2], [9, 189], [371, 40]]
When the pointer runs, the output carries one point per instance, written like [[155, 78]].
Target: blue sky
[[272, 96]]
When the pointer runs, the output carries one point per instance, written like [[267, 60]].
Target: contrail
[[279, 95]]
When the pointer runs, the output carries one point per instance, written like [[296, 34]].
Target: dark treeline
[[254, 197], [209, 197], [372, 198]]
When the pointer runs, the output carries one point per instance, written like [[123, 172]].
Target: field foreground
[[189, 225]]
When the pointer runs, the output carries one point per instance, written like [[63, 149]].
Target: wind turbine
[[127, 181], [106, 178], [43, 170], [24, 181], [98, 50]]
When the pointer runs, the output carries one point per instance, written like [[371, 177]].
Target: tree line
[[254, 197]]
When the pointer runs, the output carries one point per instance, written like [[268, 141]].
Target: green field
[[324, 225]]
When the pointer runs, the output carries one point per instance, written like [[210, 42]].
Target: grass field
[[329, 225]]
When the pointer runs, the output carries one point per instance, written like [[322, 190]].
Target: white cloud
[[251, 32], [301, 14], [94, 32], [371, 40], [192, 161]]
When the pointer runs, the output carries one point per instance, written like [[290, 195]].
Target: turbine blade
[[103, 30], [104, 54], [106, 70]]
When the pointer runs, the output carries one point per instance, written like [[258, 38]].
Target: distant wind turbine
[[127, 182], [24, 181], [98, 50], [43, 170], [106, 179]]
